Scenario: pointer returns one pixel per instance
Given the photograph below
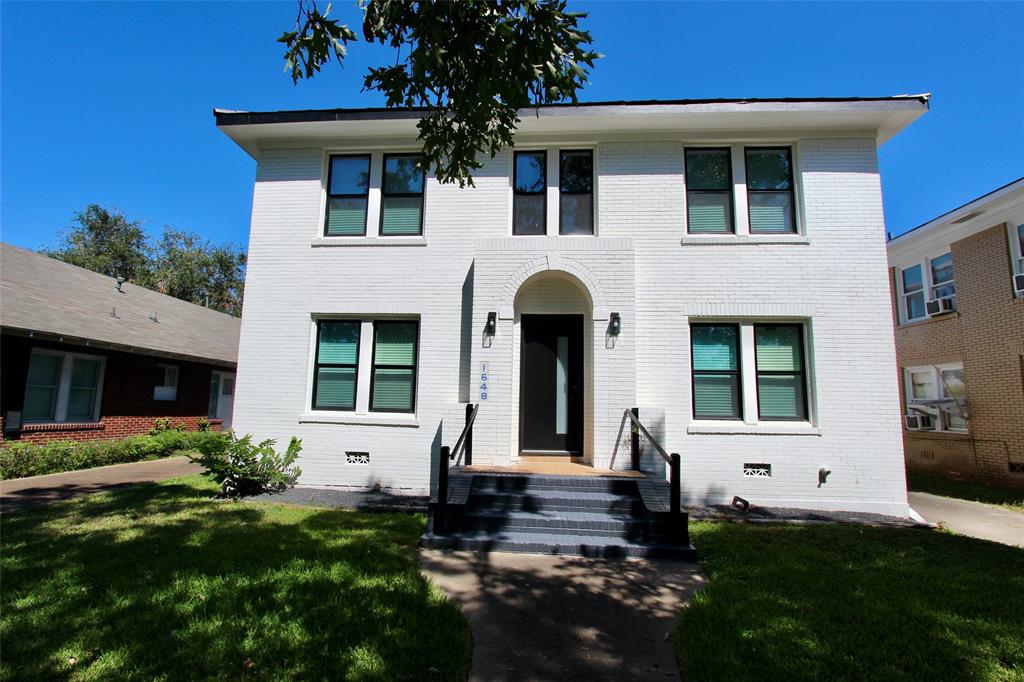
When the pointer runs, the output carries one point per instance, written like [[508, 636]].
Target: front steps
[[548, 514]]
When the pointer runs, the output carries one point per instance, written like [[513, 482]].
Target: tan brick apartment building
[[958, 305]]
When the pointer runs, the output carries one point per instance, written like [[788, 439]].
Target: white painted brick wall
[[637, 267]]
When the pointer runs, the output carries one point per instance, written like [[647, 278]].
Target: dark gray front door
[[551, 384]]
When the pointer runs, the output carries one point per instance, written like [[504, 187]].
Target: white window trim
[[741, 210], [927, 281], [170, 391], [935, 372], [1016, 251], [374, 199], [363, 371], [64, 384], [552, 196], [748, 383]]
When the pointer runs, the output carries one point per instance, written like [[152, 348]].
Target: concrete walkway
[[18, 493], [538, 617], [974, 519]]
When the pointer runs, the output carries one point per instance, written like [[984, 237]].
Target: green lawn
[[853, 603], [966, 490], [164, 581]]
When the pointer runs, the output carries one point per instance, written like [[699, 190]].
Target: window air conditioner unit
[[1018, 283], [917, 422], [941, 306]]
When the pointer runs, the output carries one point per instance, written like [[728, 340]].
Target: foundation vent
[[757, 470], [1017, 467], [357, 457]]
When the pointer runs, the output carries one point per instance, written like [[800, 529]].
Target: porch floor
[[555, 467]]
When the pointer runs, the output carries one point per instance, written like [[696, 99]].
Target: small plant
[[163, 425], [204, 425], [242, 468]]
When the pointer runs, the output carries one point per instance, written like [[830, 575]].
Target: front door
[[551, 384], [222, 397]]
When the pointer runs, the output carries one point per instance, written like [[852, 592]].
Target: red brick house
[[84, 357]]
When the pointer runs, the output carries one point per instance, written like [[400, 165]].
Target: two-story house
[[958, 302], [718, 264]]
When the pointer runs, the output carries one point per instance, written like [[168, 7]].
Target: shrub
[[241, 468], [25, 459]]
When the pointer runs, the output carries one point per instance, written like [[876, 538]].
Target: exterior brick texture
[[127, 408], [641, 264], [986, 334]]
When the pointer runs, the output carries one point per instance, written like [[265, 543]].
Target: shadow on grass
[[966, 490], [164, 580], [845, 602]]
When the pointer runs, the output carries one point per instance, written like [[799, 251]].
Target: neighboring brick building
[[719, 265], [83, 358], [962, 364]]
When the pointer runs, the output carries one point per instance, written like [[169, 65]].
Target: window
[[62, 387], [166, 383], [913, 293], [529, 193], [770, 190], [781, 381], [337, 364], [714, 350], [348, 186], [402, 195], [942, 276], [1017, 256], [576, 192], [938, 391], [393, 376], [709, 191]]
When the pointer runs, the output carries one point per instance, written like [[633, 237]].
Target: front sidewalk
[[974, 519], [18, 493]]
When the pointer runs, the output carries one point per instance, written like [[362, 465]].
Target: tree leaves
[[472, 65]]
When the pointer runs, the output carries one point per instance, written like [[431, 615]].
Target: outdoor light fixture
[[492, 324], [614, 324]]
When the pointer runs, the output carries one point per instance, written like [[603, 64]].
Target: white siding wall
[[641, 265]]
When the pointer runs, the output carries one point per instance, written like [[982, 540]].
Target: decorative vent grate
[[759, 470], [1017, 467], [357, 457]]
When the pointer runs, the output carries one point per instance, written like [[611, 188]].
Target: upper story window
[[348, 187], [576, 192], [927, 288], [936, 398], [709, 201], [166, 387], [401, 210], [1017, 254], [529, 193], [770, 201], [62, 387]]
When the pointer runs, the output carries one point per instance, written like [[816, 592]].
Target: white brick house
[[769, 269]]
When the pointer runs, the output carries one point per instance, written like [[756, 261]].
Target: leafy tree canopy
[[179, 264], [472, 64]]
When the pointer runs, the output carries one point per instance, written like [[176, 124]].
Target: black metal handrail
[[674, 477], [463, 443]]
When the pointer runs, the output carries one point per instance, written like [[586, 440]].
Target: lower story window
[[936, 398], [394, 366], [62, 387], [781, 381], [337, 365], [716, 375]]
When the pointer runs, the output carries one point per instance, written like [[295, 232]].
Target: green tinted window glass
[[715, 347], [41, 387], [346, 216], [769, 169], [394, 366], [709, 212], [339, 342], [778, 349], [781, 381], [780, 397], [336, 387], [393, 389], [771, 212], [716, 396], [708, 169], [401, 215], [395, 343]]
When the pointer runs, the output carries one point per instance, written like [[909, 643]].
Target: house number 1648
[[484, 377]]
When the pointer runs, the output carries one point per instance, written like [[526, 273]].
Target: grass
[[836, 602], [164, 581], [966, 490]]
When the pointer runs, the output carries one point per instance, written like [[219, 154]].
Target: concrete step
[[554, 500], [526, 483], [556, 543], [563, 522]]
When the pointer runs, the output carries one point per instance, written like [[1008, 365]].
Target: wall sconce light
[[614, 324], [492, 324]]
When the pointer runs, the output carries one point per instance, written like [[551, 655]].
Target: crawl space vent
[[757, 470], [357, 457], [1017, 467]]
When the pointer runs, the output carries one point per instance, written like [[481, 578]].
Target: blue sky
[[111, 103]]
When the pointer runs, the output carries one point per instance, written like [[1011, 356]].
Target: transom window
[[770, 190], [709, 208], [346, 379], [768, 358], [576, 192], [348, 187], [529, 193], [62, 387], [402, 195], [938, 393]]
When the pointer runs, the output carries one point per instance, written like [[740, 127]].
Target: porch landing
[[554, 467]]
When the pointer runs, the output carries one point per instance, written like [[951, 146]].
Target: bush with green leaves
[[242, 468], [25, 459]]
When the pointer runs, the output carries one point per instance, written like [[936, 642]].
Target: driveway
[[539, 617], [974, 519], [18, 493]]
